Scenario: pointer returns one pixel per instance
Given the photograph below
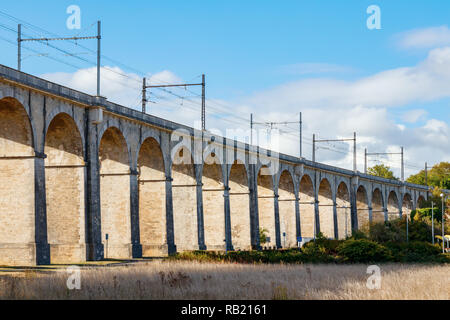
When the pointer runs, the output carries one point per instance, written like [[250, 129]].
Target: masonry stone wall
[[362, 206], [115, 194], [184, 199], [17, 202], [266, 207], [152, 199], [213, 206], [307, 207], [377, 206], [239, 207], [286, 207], [326, 214], [343, 211], [76, 168]]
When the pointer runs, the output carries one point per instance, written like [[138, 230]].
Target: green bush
[[263, 235], [363, 251], [414, 251], [421, 214]]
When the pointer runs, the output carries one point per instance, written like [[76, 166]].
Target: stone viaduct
[[82, 179]]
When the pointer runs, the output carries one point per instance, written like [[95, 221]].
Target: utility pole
[[426, 178], [314, 148], [203, 103], [251, 128], [272, 124], [391, 153], [432, 221], [19, 46], [144, 94], [301, 135], [98, 37], [442, 223], [203, 84], [403, 167], [365, 160], [354, 153], [337, 140]]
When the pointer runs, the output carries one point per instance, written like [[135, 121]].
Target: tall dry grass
[[193, 280]]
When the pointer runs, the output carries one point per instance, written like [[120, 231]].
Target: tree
[[438, 176], [438, 179], [380, 170]]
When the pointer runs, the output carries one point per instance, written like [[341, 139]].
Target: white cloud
[[412, 116], [331, 108], [426, 81], [424, 38]]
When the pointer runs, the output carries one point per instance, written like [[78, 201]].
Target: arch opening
[[326, 204], [115, 194], [377, 207], [307, 207], [213, 205], [362, 208], [286, 205], [421, 202], [392, 206], [407, 205], [152, 199], [17, 203], [343, 211], [239, 207], [184, 199], [64, 184], [266, 207]]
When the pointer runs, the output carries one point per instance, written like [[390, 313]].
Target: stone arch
[[407, 205], [213, 203], [393, 209], [239, 206], [115, 194], [362, 207], [151, 134], [184, 199], [343, 211], [152, 198], [307, 206], [124, 132], [326, 212], [266, 206], [17, 185], [377, 206], [420, 201], [64, 184], [63, 109], [286, 207]]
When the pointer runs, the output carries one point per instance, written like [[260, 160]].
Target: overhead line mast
[[203, 84], [98, 37]]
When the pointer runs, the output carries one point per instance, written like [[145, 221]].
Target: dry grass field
[[193, 280]]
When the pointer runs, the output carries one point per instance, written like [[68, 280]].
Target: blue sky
[[254, 49]]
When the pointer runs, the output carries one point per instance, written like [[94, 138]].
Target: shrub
[[414, 251], [263, 235], [421, 214], [387, 231], [315, 253], [363, 251]]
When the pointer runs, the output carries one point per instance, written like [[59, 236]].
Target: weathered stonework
[[75, 168]]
